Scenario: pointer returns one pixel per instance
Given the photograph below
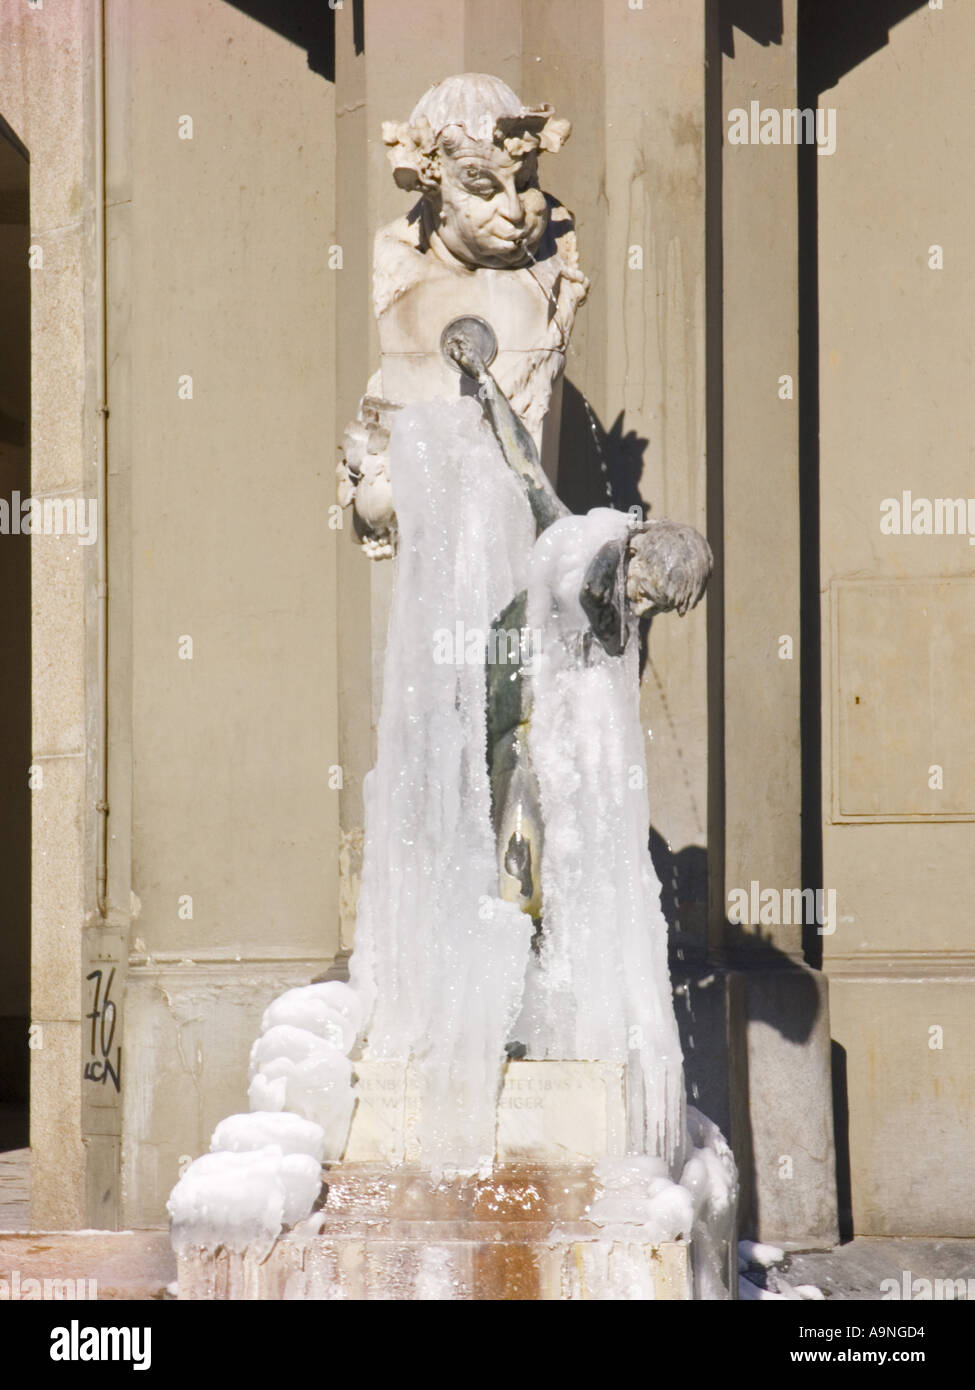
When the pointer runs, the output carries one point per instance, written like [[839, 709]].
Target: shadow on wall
[[841, 1139], [837, 37], [308, 23], [683, 875], [848, 33], [597, 467], [15, 642], [761, 20]]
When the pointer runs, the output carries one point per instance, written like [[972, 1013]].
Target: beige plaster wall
[[218, 270], [652, 322], [898, 413]]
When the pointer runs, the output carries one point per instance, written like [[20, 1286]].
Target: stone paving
[[856, 1271], [130, 1265], [124, 1264]]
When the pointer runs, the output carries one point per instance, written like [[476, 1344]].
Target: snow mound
[[242, 1200], [266, 1129]]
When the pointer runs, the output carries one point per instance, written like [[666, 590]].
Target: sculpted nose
[[510, 205]]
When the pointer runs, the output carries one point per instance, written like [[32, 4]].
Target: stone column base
[[756, 1038]]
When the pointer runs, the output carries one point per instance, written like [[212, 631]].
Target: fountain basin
[[520, 1234]]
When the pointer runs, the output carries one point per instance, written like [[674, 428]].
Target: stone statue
[[475, 291], [652, 567], [483, 240]]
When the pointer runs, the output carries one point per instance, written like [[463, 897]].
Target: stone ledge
[[449, 1261]]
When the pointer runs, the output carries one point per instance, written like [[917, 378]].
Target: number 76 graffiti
[[104, 1017]]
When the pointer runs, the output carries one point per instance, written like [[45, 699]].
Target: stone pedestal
[[520, 1234], [756, 1042], [386, 1230]]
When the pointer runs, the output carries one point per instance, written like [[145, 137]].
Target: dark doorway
[[14, 644]]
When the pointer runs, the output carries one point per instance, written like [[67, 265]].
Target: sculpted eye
[[482, 184]]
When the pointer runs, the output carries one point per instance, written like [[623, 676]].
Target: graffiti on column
[[104, 1016]]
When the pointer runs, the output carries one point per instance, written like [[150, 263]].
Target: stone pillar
[[773, 1005], [46, 93]]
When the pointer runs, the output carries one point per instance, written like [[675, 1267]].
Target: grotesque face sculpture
[[471, 149], [491, 210]]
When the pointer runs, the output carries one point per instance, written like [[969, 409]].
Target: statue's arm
[[515, 442], [520, 453]]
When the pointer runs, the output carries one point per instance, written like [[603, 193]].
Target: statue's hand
[[462, 350]]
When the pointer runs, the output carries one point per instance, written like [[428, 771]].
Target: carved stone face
[[492, 212]]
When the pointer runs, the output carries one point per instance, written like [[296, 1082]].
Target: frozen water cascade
[[444, 974], [439, 959], [601, 988]]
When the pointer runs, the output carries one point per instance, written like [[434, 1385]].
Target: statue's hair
[[482, 108], [671, 562]]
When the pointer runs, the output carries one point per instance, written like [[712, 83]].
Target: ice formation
[[264, 1169], [330, 1009], [761, 1281], [303, 1074], [638, 1199], [262, 1129], [242, 1200], [443, 975], [754, 1254], [711, 1176], [299, 1063], [439, 959], [601, 988]]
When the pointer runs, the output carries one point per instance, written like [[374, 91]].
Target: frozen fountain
[[498, 1090]]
